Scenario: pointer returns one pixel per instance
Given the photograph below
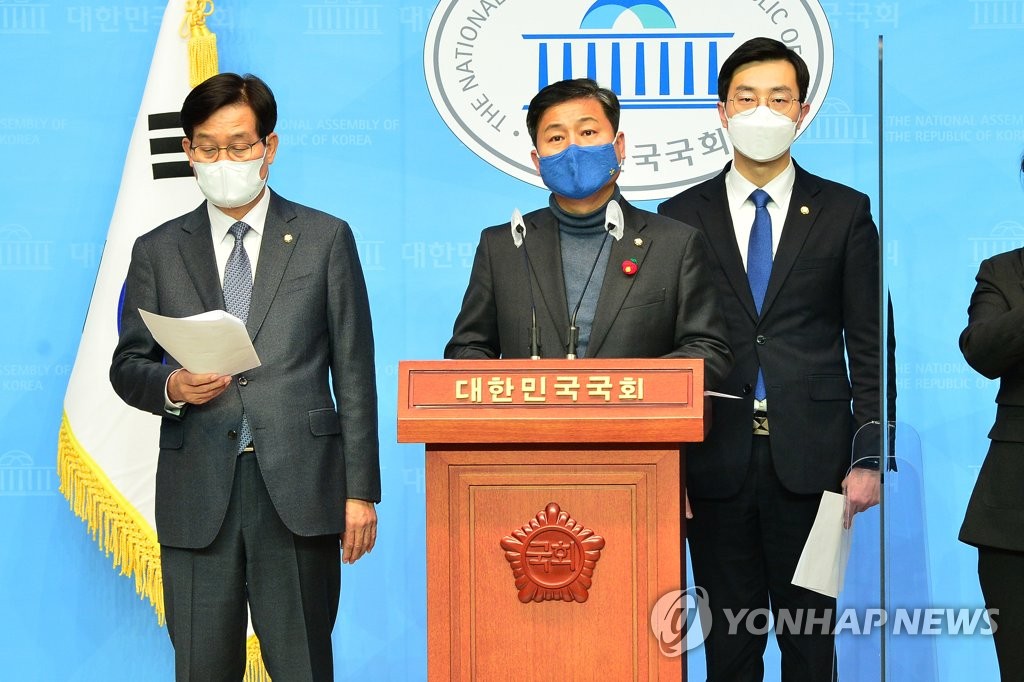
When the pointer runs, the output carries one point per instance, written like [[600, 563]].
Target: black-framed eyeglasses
[[236, 151], [744, 102]]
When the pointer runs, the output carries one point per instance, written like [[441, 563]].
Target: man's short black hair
[[226, 89], [762, 50], [564, 91]]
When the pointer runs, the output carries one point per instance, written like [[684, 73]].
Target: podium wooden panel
[[505, 440]]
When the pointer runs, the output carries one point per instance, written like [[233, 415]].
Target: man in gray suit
[[258, 474], [635, 285]]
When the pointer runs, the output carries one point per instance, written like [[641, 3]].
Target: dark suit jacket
[[821, 303], [669, 308], [310, 324], [993, 344]]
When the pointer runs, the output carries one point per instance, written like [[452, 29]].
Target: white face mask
[[230, 184], [762, 135]]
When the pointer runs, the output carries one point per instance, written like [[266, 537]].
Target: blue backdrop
[[361, 139]]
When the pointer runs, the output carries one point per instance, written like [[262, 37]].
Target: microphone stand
[[534, 330], [574, 331], [519, 238]]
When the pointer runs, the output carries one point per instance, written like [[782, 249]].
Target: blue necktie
[[759, 262], [237, 295]]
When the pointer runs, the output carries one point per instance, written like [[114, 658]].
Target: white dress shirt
[[742, 209], [223, 242]]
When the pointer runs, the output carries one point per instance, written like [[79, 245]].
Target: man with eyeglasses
[[795, 261], [259, 474]]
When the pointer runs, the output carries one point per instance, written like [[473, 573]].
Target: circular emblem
[[486, 59], [553, 557]]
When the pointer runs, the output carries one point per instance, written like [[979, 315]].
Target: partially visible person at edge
[[993, 344], [795, 260], [259, 474]]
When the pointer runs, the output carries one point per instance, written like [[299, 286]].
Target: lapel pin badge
[[804, 210], [288, 238], [638, 242], [629, 267]]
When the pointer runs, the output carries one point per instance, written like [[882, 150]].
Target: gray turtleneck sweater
[[581, 237]]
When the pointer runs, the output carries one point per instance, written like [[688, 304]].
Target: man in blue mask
[[601, 277]]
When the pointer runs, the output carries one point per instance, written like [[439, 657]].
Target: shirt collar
[[256, 218], [739, 188]]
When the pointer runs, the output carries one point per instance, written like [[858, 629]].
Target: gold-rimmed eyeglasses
[[236, 151], [744, 102]]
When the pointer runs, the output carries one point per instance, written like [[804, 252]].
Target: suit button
[[747, 388], [233, 435], [242, 381], [761, 340]]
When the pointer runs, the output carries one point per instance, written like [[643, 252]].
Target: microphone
[[614, 224], [614, 221], [519, 239]]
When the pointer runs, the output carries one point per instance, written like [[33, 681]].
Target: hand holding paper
[[213, 342], [822, 564], [195, 389], [862, 488]]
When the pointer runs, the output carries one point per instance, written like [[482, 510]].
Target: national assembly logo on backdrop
[[485, 60]]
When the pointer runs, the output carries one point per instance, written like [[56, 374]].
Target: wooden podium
[[554, 518]]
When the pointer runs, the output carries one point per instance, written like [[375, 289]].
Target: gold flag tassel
[[114, 523], [122, 532], [255, 671], [202, 43]]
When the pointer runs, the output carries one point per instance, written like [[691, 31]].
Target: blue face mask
[[577, 172]]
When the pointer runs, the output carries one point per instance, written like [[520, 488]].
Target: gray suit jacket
[[669, 308], [312, 404], [817, 337]]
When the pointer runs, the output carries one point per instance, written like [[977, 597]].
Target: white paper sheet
[[715, 394], [822, 564], [211, 342]]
